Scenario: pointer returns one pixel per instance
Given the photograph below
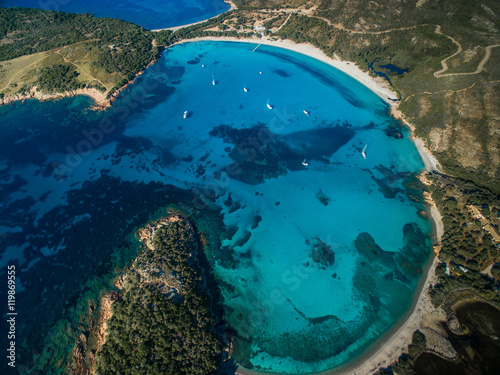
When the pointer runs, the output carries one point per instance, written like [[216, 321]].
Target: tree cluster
[[152, 332], [57, 78]]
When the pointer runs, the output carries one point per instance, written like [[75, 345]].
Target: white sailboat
[[305, 163], [269, 105], [213, 79], [185, 115], [363, 152], [307, 113]]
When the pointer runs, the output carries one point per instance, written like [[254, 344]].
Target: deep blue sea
[[321, 249], [150, 14]]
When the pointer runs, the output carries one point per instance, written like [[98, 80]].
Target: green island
[[441, 61]]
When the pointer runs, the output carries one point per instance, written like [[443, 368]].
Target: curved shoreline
[[376, 84], [232, 6], [388, 347]]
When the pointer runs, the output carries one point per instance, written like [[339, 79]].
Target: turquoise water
[[150, 14], [317, 261]]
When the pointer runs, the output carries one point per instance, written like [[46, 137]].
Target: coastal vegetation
[[162, 322], [468, 250], [104, 53], [451, 106], [468, 255]]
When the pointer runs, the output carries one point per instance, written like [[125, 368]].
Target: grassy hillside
[[40, 47]]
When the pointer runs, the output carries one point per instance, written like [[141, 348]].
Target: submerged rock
[[322, 253], [323, 198]]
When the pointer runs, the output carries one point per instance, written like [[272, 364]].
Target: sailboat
[[185, 115], [269, 105], [245, 88], [307, 113], [305, 163], [363, 152], [213, 79]]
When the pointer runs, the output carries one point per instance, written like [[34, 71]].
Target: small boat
[[307, 113], [305, 163], [202, 65], [269, 105], [363, 152], [245, 88], [185, 115], [260, 72], [213, 80]]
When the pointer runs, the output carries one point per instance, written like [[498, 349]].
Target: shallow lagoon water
[[150, 14], [317, 261]]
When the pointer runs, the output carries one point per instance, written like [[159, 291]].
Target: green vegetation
[[418, 344], [57, 78], [107, 52], [466, 251], [464, 242], [163, 322], [456, 115], [25, 31]]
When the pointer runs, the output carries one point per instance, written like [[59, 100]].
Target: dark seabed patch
[[259, 154], [340, 88], [281, 73]]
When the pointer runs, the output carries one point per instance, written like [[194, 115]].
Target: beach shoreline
[[422, 314], [389, 347], [376, 84], [232, 6], [394, 342], [99, 98]]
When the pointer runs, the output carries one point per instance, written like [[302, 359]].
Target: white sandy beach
[[422, 314], [376, 84], [229, 2]]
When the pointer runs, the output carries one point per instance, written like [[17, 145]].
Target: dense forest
[[24, 31], [163, 323]]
